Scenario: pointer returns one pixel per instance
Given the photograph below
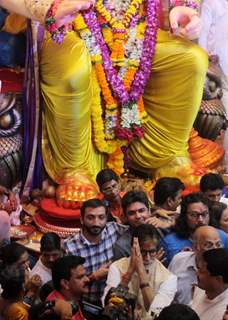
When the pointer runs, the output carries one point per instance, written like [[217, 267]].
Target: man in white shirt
[[145, 276], [50, 248], [211, 298], [183, 264]]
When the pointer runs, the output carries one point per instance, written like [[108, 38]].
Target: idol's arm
[[37, 9], [33, 9]]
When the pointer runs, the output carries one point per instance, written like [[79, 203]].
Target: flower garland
[[57, 34], [187, 3], [121, 89]]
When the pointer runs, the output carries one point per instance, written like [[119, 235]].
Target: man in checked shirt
[[94, 242]]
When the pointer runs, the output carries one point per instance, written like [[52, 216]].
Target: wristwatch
[[28, 301]]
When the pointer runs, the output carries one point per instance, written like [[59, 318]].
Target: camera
[[119, 305]]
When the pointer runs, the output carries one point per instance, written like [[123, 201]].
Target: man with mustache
[[70, 283], [211, 296], [95, 243]]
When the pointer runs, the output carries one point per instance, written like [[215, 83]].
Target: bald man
[[184, 264]]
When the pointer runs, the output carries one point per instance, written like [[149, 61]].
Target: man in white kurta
[[153, 284]]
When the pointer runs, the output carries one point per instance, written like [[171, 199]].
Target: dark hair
[[181, 228], [216, 210], [12, 280], [92, 203], [178, 312], [145, 232], [106, 175], [211, 181], [12, 252], [45, 290], [132, 197], [167, 187], [217, 262], [62, 269], [50, 241]]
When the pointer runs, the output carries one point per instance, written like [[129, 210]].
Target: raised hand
[[139, 266], [34, 283], [185, 22], [158, 223]]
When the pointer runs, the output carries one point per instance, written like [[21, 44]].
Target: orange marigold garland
[[131, 52]]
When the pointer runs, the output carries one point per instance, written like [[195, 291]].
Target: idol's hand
[[185, 22], [68, 10]]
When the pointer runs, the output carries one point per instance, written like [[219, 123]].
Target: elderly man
[[145, 276], [184, 264]]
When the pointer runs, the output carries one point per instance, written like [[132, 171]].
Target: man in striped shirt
[[95, 243]]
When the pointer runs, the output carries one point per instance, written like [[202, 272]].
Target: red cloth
[[160, 15], [50, 206], [11, 81], [57, 295]]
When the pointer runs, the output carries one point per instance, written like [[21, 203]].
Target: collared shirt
[[95, 254], [42, 271], [209, 309], [183, 265]]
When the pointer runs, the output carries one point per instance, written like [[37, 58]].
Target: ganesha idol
[[62, 213], [143, 121]]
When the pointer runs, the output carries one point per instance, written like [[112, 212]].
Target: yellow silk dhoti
[[66, 86], [172, 99]]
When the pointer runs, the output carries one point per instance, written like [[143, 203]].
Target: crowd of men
[[169, 254]]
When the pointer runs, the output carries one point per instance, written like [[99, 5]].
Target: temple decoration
[[204, 152], [10, 126], [61, 212], [122, 53], [211, 118], [12, 59]]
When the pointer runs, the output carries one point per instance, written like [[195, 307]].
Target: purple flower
[[143, 73]]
